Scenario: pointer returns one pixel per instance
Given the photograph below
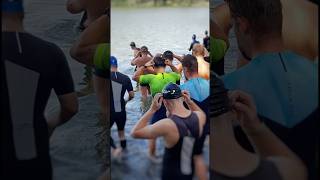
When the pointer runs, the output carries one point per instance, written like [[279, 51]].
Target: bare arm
[[218, 33], [221, 15], [74, 6], [173, 67], [68, 108], [84, 48], [131, 96], [138, 73], [265, 142], [142, 129], [179, 58]]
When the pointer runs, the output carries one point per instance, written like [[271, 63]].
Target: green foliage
[[159, 3]]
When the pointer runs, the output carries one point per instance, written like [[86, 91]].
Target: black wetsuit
[[178, 160], [303, 139], [31, 68], [120, 84], [206, 43], [199, 143], [193, 43], [265, 171]]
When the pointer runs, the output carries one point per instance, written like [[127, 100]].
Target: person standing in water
[[194, 41], [198, 51], [120, 84], [142, 57], [180, 129], [157, 82], [30, 69], [206, 41], [198, 89], [134, 49]]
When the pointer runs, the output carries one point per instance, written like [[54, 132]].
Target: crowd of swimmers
[[178, 111], [263, 116]]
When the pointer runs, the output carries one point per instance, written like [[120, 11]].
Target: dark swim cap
[[12, 6], [219, 101], [168, 55], [133, 44], [171, 91]]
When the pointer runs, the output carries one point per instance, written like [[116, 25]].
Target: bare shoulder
[[289, 169]]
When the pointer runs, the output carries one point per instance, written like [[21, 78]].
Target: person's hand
[[156, 103], [186, 96], [243, 105]]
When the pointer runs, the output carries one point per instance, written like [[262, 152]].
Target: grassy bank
[[159, 3]]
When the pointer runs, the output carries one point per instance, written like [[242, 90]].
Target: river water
[[159, 29]]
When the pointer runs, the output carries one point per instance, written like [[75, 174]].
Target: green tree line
[[158, 2]]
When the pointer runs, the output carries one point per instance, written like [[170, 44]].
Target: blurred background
[[158, 3]]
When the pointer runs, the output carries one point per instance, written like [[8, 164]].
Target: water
[[159, 29]]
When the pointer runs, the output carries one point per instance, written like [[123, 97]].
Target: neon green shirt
[[218, 49], [159, 81], [102, 56]]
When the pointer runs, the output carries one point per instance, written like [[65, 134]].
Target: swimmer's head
[[190, 66], [132, 44], [113, 62], [172, 96], [12, 9], [144, 49], [198, 50], [255, 21], [219, 101], [159, 62], [168, 55]]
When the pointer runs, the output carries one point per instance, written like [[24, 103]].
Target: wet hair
[[264, 16], [190, 62], [159, 62], [198, 49], [168, 55], [144, 47], [133, 44]]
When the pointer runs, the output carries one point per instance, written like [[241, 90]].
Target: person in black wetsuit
[[179, 130], [228, 159], [206, 40], [194, 41], [120, 85], [283, 83], [27, 78]]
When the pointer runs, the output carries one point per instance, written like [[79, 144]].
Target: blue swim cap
[[113, 61], [12, 6]]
